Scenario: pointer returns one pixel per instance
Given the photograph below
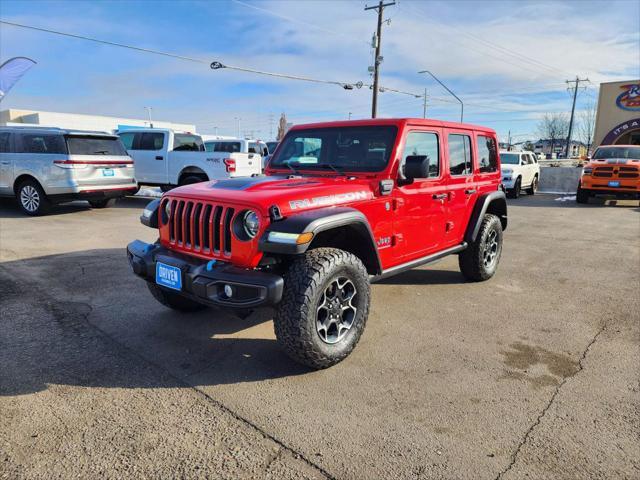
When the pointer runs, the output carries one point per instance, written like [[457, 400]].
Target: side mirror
[[416, 166]]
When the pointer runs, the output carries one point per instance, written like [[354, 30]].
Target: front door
[[149, 155], [421, 206], [6, 164]]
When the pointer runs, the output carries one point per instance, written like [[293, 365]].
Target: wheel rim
[[490, 249], [336, 313], [30, 198]]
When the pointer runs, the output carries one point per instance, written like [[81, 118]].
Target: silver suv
[[42, 166]]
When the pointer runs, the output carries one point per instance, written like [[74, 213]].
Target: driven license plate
[[614, 183], [168, 276], [107, 172]]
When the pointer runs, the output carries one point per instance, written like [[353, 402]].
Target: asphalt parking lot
[[533, 374]]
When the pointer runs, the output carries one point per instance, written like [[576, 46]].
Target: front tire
[[515, 191], [324, 308], [173, 300], [32, 199], [582, 195], [480, 260]]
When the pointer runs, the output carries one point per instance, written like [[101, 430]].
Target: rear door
[[149, 153], [461, 189], [6, 163], [421, 206]]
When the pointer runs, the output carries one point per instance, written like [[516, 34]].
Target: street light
[[447, 89]]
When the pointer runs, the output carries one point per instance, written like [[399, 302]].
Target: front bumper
[[204, 281], [508, 182]]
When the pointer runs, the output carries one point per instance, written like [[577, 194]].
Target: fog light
[[228, 291]]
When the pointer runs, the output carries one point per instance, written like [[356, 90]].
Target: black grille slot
[[187, 223], [178, 223], [206, 228], [602, 174], [197, 232], [227, 230], [627, 175], [216, 228]]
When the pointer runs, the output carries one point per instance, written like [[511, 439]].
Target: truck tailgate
[[247, 164]]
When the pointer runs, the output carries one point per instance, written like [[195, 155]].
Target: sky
[[507, 60]]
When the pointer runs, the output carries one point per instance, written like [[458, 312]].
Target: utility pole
[[377, 60], [349, 115], [577, 83], [271, 126], [148, 109], [509, 141], [424, 104]]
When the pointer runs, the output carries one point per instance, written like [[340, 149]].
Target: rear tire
[[533, 188], [480, 260], [166, 188], [172, 300], [32, 199], [102, 203], [190, 179], [324, 308], [582, 195]]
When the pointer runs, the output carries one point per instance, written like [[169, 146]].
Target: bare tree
[[553, 127], [587, 125], [282, 127]]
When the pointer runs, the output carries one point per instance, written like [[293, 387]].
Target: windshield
[[602, 153], [356, 149], [187, 142], [272, 146], [510, 158], [95, 146]]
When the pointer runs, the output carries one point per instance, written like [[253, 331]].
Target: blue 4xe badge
[[168, 276]]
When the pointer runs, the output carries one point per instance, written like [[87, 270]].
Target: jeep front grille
[[200, 227]]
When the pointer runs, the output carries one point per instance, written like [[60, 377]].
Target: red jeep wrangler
[[342, 204]]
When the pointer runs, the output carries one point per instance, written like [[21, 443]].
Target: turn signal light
[[230, 164]]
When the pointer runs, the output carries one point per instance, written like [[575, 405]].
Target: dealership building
[[618, 115], [76, 121]]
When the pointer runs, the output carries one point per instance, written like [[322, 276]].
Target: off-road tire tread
[[304, 277], [582, 195], [174, 300], [470, 260]]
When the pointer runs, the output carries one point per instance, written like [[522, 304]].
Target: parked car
[[242, 145], [614, 170], [272, 147], [44, 166], [519, 170], [167, 158], [341, 203]]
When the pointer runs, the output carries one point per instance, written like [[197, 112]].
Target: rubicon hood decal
[[328, 200]]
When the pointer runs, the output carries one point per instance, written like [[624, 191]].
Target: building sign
[[629, 99], [620, 130]]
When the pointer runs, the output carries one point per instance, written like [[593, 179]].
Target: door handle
[[159, 157], [439, 196], [470, 191]]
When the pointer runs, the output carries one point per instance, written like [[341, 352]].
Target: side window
[[4, 142], [487, 154], [149, 141], [127, 139], [460, 155], [39, 143], [254, 148], [208, 147], [423, 143]]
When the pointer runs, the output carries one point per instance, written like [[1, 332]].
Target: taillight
[[69, 164], [230, 164]]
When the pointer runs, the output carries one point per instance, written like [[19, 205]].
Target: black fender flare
[[492, 202], [317, 221]]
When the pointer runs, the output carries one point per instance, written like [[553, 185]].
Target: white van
[[167, 158], [43, 166]]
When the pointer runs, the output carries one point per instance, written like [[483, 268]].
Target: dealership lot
[[534, 372]]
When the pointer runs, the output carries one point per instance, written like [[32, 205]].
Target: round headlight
[[167, 211], [251, 223]]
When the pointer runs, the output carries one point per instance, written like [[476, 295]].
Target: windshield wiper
[[332, 167], [292, 168]]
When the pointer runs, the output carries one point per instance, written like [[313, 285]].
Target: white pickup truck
[[519, 170], [166, 158]]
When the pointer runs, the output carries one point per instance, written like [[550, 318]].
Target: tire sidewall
[[492, 224], [345, 345]]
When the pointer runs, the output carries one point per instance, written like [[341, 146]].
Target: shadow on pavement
[[567, 201], [9, 207], [84, 319]]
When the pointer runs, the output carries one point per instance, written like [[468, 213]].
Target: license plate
[[168, 276], [107, 172], [614, 183]]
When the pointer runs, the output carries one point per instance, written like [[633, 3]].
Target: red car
[[341, 204]]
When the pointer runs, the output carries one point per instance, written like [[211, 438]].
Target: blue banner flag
[[11, 71]]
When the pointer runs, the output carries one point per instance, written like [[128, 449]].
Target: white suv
[[519, 170]]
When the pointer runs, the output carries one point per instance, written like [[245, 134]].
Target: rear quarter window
[[487, 154], [42, 143]]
